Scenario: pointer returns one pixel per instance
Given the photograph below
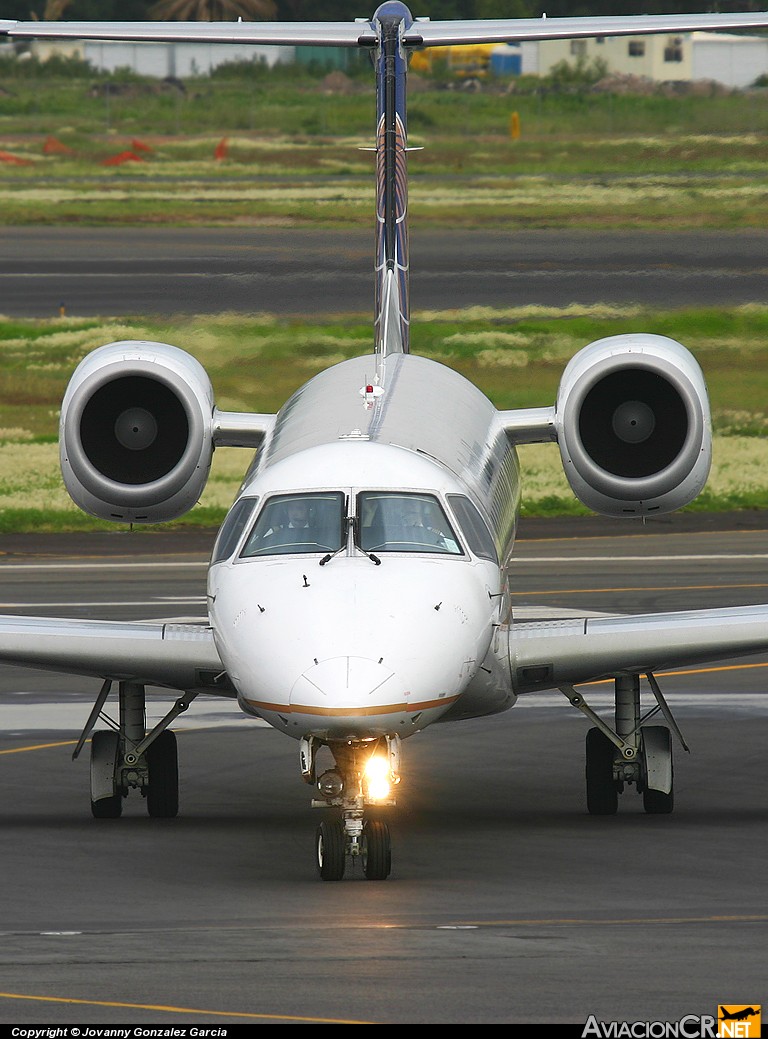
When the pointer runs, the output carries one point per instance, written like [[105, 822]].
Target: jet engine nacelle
[[135, 433], [633, 425]]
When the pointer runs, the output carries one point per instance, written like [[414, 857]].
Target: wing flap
[[179, 656], [549, 654]]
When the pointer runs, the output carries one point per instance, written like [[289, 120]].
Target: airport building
[[733, 61]]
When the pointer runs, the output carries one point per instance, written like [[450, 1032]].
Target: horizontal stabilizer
[[293, 34], [512, 30], [422, 33]]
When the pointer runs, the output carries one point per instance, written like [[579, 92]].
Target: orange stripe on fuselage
[[344, 712]]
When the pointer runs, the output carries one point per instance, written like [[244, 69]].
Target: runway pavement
[[507, 902], [128, 271]]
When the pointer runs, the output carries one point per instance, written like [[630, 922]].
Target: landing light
[[377, 780], [330, 784]]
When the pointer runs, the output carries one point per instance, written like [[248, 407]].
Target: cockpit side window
[[290, 523], [237, 520], [389, 521], [473, 527]]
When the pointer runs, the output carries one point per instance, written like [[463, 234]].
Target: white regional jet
[[358, 590]]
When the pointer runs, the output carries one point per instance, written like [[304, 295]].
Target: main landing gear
[[353, 792], [126, 756], [632, 753]]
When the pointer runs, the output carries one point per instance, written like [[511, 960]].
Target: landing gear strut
[[125, 756], [631, 753], [353, 792]]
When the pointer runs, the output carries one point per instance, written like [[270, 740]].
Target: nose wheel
[[334, 844], [330, 849], [376, 850]]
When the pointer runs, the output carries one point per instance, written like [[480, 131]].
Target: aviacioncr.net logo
[[733, 1021], [738, 1021]]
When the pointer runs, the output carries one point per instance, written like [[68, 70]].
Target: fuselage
[[354, 628], [359, 583]]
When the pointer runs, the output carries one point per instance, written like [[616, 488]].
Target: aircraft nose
[[347, 683]]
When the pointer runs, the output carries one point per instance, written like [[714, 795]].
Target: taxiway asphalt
[[507, 902], [165, 271]]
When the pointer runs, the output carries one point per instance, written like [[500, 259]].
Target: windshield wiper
[[329, 557], [345, 544]]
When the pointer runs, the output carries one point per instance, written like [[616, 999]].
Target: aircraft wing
[[179, 656], [549, 654], [543, 654]]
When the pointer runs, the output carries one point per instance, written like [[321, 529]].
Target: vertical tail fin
[[392, 311]]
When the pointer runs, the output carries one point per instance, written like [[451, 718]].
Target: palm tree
[[213, 10], [54, 9]]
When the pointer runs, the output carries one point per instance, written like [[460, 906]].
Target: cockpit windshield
[[291, 523], [395, 522]]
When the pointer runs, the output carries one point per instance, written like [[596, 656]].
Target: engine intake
[[136, 432], [633, 425]]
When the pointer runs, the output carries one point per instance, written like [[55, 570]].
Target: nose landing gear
[[355, 789]]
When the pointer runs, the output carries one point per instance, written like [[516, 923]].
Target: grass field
[[293, 155]]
